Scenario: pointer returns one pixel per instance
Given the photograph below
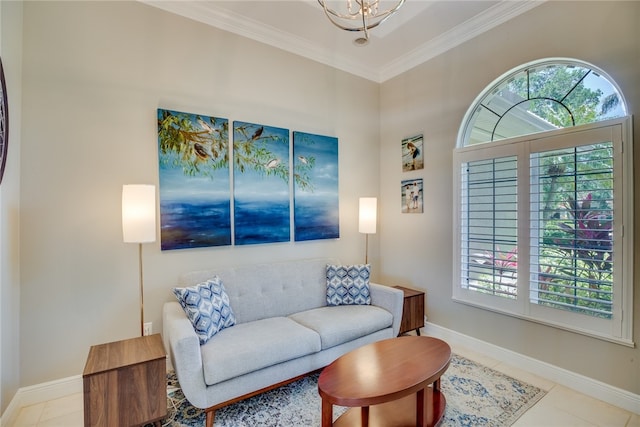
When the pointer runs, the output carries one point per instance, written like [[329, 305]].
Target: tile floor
[[560, 407]]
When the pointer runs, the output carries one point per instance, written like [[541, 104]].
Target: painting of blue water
[[261, 221], [261, 184], [195, 224], [316, 197], [195, 191]]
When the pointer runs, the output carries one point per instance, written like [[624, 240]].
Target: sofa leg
[[211, 413]]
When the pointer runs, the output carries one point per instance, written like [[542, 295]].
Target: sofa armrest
[[184, 349], [391, 299]]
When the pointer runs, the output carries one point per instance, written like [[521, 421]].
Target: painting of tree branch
[[195, 190], [315, 171], [261, 184]]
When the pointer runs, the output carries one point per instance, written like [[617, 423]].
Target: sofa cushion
[[207, 307], [340, 324], [250, 346], [276, 289], [348, 284]]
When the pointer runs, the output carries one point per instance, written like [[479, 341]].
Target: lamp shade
[[368, 215], [139, 213]]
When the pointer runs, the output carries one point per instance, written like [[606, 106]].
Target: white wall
[[93, 75], [11, 53], [416, 250]]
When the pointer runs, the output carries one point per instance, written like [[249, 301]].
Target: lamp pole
[[139, 226]]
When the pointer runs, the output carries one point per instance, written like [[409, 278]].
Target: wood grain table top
[[119, 354], [384, 371]]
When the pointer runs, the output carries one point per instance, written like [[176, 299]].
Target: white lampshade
[[368, 214], [139, 213]]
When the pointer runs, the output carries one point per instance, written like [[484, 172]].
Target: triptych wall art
[[214, 192]]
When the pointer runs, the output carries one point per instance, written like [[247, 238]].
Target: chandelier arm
[[327, 10], [365, 26], [342, 27], [355, 29], [333, 16], [356, 15]]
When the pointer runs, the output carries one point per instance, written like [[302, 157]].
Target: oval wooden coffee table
[[390, 381]]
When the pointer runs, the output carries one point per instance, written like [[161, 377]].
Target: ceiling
[[419, 31]]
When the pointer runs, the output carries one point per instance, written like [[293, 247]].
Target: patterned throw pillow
[[348, 284], [207, 307]]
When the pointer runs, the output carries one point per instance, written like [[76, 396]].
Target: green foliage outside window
[[574, 259]]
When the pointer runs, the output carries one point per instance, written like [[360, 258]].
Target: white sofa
[[284, 330]]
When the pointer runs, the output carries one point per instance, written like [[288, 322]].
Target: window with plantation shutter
[[490, 229], [572, 229], [544, 219]]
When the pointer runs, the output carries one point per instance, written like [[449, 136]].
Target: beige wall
[[11, 53], [417, 250], [94, 75]]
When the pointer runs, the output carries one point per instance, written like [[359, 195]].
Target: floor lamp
[[139, 225], [367, 222]]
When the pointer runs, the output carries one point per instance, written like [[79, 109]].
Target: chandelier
[[359, 15]]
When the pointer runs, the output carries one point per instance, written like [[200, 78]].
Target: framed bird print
[[315, 187], [195, 195], [261, 184]]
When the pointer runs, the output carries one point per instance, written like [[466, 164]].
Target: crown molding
[[258, 31], [485, 21]]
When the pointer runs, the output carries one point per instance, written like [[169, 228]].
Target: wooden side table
[[412, 310], [124, 383]]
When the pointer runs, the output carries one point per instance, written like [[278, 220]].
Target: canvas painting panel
[[412, 200], [412, 153], [261, 184], [195, 195], [316, 207]]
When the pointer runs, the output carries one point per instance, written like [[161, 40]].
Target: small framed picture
[[412, 201], [412, 153]]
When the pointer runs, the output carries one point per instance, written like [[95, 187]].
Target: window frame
[[468, 123], [618, 329]]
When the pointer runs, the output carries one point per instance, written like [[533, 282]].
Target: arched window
[[544, 200], [541, 96]]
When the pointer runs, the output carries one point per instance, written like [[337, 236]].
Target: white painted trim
[[485, 21], [255, 30], [40, 393], [582, 384], [258, 31]]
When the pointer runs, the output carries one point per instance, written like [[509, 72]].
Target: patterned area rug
[[476, 396]]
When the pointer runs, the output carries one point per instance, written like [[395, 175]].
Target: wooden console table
[[124, 383], [412, 310]]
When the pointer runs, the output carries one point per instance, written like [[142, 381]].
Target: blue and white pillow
[[207, 307], [348, 284]]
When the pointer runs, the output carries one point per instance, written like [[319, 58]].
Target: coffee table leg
[[364, 418], [327, 414], [420, 408]]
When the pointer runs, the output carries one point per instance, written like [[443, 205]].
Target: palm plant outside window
[[544, 200]]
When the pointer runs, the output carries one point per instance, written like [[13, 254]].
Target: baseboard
[[585, 385], [40, 393], [629, 401]]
